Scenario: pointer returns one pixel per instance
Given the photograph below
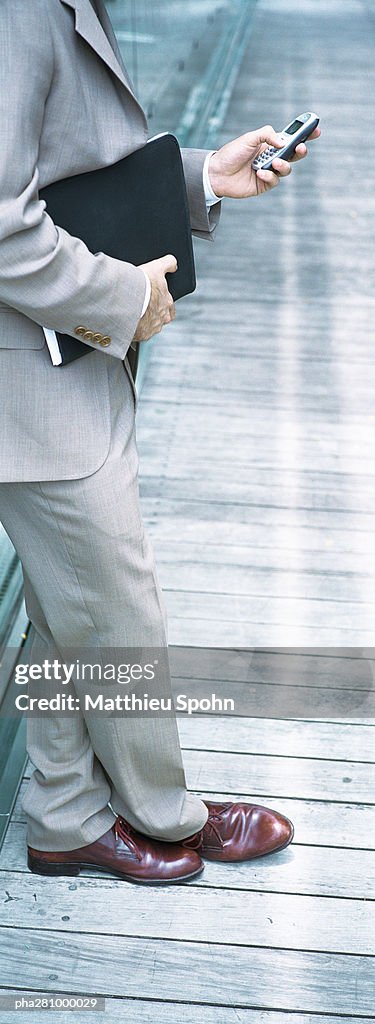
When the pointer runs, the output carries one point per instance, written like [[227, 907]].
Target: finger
[[169, 264], [268, 178], [169, 300], [299, 153], [301, 150], [282, 167]]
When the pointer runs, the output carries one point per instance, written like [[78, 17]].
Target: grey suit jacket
[[66, 106]]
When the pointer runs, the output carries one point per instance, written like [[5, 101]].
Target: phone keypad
[[264, 157]]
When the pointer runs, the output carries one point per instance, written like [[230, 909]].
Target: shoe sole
[[38, 867]]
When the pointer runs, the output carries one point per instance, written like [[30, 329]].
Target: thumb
[[268, 134], [168, 264]]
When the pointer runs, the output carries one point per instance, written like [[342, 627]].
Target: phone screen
[[294, 127]]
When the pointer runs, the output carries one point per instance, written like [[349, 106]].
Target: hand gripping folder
[[135, 210]]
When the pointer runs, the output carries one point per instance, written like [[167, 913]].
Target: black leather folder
[[135, 210]]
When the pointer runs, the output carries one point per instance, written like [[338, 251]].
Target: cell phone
[[295, 132]]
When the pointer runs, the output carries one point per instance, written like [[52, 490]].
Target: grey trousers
[[90, 581]]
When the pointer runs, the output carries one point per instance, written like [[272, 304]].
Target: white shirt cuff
[[147, 293], [210, 195]]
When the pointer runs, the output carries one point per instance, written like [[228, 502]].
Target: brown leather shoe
[[235, 832], [126, 854]]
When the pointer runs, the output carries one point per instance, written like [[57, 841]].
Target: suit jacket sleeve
[[203, 221], [46, 273]]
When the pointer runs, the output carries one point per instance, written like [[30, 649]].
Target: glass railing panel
[[167, 48]]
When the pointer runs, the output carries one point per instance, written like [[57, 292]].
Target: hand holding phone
[[295, 132]]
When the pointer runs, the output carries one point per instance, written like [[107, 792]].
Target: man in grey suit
[[106, 792]]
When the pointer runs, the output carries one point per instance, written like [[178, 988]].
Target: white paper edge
[[53, 346]]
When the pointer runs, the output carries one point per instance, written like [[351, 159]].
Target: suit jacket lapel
[[108, 29], [88, 26]]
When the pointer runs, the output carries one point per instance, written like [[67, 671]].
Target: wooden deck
[[258, 484], [257, 417]]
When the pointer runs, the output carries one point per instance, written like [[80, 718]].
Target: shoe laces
[[127, 833], [209, 829]]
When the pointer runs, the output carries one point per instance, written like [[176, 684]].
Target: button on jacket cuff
[[112, 329], [127, 303]]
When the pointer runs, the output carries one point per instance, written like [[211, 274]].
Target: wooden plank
[[254, 401], [308, 429], [238, 533], [191, 459], [237, 580], [343, 667], [241, 515], [218, 975], [246, 461], [185, 627], [183, 913], [351, 351], [299, 490], [303, 778], [244, 435], [162, 386], [252, 387], [277, 610], [265, 345], [259, 366], [301, 870], [265, 556], [317, 823], [273, 358], [256, 394], [290, 739], [243, 463], [151, 1011]]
